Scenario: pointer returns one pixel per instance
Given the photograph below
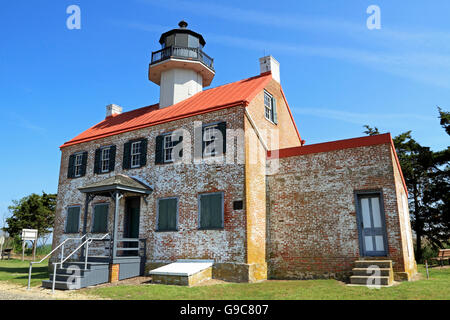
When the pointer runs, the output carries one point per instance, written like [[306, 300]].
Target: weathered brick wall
[[312, 229], [183, 181]]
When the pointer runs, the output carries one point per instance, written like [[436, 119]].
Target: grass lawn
[[438, 287], [16, 271]]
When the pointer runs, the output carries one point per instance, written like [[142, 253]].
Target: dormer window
[[270, 108], [136, 154]]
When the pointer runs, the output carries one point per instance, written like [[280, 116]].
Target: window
[[78, 164], [167, 214], [270, 108], [136, 154], [105, 159], [168, 148], [211, 211], [210, 141], [73, 220], [100, 223]]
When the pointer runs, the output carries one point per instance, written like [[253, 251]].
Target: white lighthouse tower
[[180, 68]]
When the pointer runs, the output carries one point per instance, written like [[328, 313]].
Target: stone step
[[367, 263], [384, 272], [364, 280]]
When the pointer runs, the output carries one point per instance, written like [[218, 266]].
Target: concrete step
[[384, 272], [364, 280], [59, 285], [367, 263]]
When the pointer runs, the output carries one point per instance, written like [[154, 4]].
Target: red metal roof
[[226, 96]]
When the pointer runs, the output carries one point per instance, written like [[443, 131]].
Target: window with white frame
[[168, 148], [268, 106], [105, 159], [78, 164], [136, 154], [210, 140]]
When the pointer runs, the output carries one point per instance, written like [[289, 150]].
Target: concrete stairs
[[74, 276], [372, 272]]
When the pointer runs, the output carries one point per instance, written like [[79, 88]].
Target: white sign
[[2, 240], [29, 234]]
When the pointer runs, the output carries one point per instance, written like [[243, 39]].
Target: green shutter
[[223, 129], [71, 167], [126, 156], [112, 158], [144, 143], [159, 150], [167, 214], [97, 162], [100, 219], [274, 111], [211, 211], [73, 220], [84, 164]]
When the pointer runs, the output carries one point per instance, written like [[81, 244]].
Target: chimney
[[112, 110], [269, 63]]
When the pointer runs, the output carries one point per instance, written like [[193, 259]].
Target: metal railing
[[61, 245], [86, 245], [184, 53], [141, 245]]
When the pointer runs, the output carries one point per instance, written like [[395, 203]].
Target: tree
[[32, 212], [427, 177]]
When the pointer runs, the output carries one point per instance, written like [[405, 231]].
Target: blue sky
[[337, 74]]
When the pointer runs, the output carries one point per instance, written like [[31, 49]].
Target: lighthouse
[[180, 67]]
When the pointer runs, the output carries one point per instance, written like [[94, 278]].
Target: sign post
[[29, 235], [2, 241]]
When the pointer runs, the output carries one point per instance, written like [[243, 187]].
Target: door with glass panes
[[371, 225]]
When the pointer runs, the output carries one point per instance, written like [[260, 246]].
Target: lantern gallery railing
[[183, 53]]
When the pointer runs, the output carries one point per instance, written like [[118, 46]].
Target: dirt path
[[9, 291]]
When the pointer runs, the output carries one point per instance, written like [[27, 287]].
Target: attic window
[[270, 107]]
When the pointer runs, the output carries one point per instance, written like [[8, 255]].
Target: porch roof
[[118, 182]]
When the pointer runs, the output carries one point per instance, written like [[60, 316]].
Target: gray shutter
[[159, 150], [172, 214], [180, 140], [97, 161], [223, 129], [71, 167], [112, 158], [274, 111], [100, 219], [167, 215], [143, 160], [73, 219], [211, 211], [162, 215], [84, 164], [126, 164]]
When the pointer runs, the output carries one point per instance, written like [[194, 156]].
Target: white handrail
[[48, 255], [86, 242]]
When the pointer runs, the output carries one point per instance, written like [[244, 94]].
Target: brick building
[[223, 174]]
